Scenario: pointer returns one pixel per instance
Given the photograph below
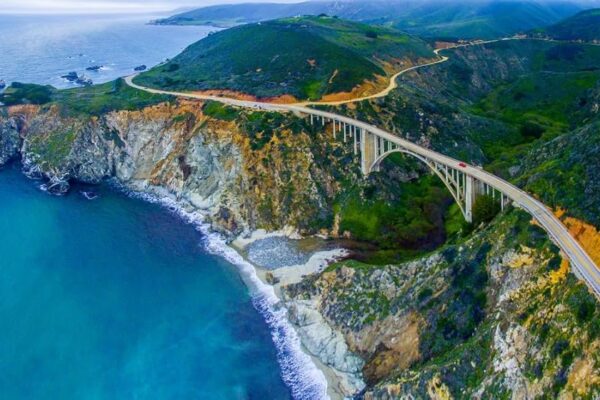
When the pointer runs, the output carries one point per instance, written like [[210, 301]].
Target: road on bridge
[[584, 266]]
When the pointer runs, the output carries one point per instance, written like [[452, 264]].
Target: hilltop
[[432, 18], [303, 57], [584, 26]]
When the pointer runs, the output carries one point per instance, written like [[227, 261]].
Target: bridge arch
[[450, 183]]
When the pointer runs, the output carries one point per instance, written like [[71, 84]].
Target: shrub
[[19, 93], [532, 130], [485, 209]]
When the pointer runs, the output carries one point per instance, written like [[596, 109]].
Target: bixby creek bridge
[[465, 182]]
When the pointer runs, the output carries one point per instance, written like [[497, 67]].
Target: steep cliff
[[241, 175], [498, 316]]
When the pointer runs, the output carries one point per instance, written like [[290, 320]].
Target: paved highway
[[583, 265]]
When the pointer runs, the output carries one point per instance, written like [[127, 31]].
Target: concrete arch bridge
[[373, 147], [465, 182]]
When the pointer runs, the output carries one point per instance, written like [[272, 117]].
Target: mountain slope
[[432, 18], [482, 20], [303, 57], [583, 26]]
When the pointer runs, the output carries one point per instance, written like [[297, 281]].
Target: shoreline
[[304, 374], [318, 261]]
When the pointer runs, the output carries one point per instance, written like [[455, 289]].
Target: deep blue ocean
[[118, 298], [124, 297], [41, 49]]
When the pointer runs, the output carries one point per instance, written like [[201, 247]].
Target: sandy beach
[[317, 262]]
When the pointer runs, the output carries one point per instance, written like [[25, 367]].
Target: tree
[[485, 209]]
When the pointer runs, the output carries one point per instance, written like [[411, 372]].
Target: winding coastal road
[[583, 265]]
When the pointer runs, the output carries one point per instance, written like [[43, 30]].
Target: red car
[[462, 164]]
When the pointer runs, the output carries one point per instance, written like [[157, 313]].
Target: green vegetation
[[583, 26], [564, 172], [91, 100], [100, 99], [405, 223], [484, 20], [54, 147], [485, 209], [432, 18], [305, 57], [24, 93], [552, 128], [403, 220], [220, 111]]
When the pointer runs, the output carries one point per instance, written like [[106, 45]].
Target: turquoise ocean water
[[117, 298], [41, 48]]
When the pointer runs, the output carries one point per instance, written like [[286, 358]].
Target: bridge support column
[[368, 150], [469, 197], [473, 189]]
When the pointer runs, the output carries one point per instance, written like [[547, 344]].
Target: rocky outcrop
[[10, 140], [327, 345], [238, 176], [495, 316]]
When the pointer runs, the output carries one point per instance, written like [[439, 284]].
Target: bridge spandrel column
[[368, 149], [473, 189], [470, 194]]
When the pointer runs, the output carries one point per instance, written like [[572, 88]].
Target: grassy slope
[[296, 56], [547, 101], [583, 26], [550, 112], [432, 18], [483, 20], [92, 100]]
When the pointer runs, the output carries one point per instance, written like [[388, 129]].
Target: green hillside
[[94, 100], [305, 57], [485, 20], [426, 18], [583, 26]]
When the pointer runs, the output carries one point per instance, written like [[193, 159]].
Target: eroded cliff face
[[498, 316], [241, 180]]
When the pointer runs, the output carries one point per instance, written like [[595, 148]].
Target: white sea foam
[[298, 371]]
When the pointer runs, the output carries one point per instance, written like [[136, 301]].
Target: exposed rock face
[[10, 140], [327, 344], [174, 150], [493, 317]]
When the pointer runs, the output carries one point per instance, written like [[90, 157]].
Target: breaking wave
[[298, 370]]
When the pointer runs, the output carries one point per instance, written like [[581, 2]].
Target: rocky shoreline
[[444, 323], [325, 345], [123, 146]]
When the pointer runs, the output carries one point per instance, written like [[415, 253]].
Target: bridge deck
[[584, 266]]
